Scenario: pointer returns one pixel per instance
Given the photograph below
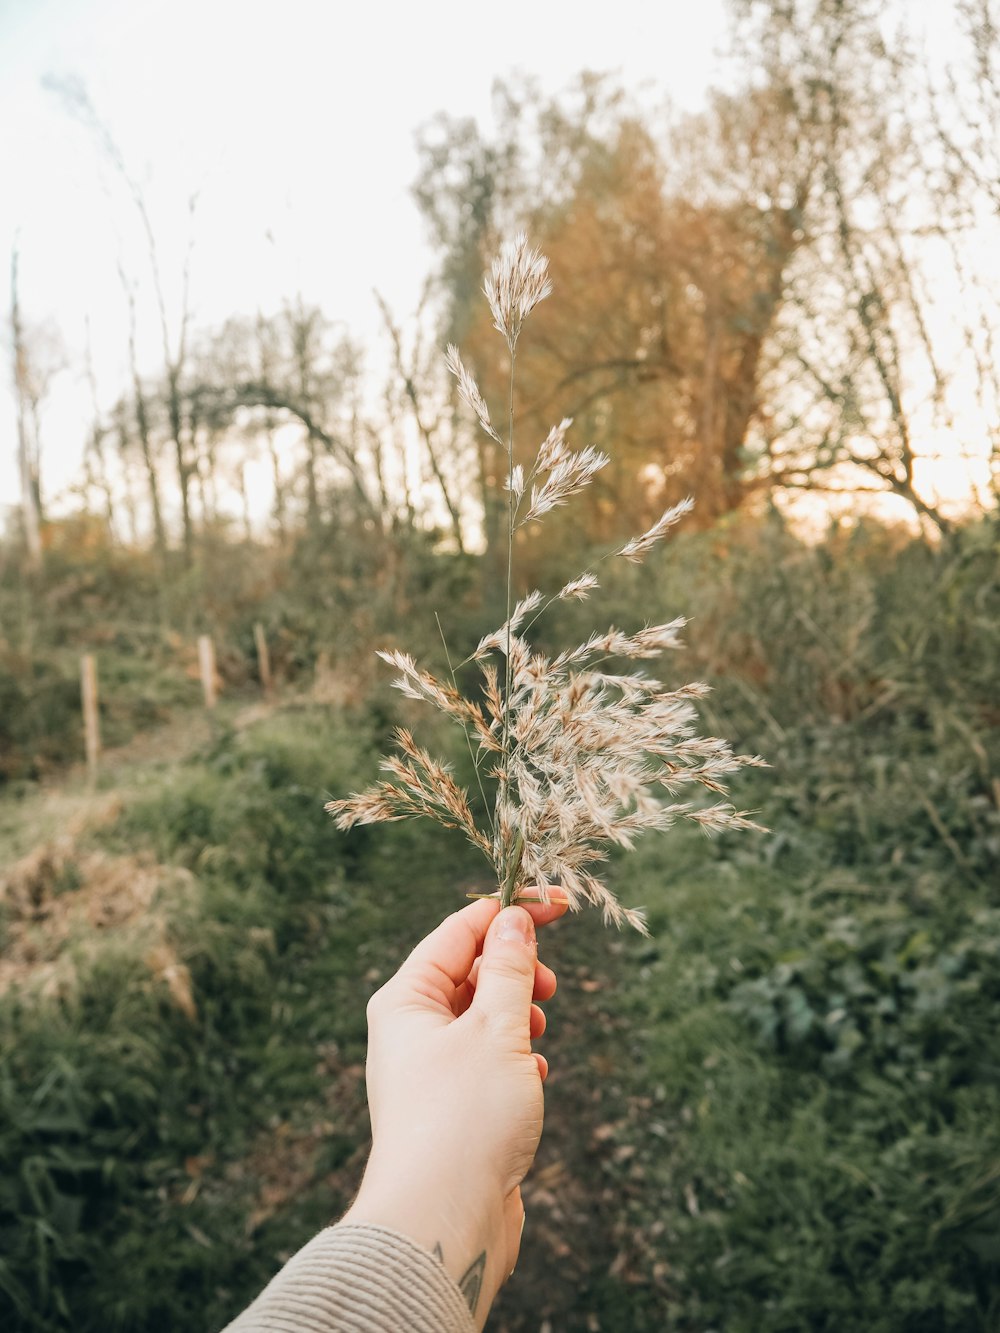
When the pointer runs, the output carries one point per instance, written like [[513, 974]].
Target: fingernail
[[514, 923]]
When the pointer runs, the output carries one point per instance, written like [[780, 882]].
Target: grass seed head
[[518, 280], [580, 758]]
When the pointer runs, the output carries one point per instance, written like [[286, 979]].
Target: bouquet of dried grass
[[579, 755]]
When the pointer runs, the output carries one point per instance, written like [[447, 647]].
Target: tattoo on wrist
[[472, 1281]]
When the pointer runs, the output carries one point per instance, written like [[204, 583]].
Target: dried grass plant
[[579, 755]]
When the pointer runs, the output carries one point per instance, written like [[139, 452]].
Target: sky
[[294, 124]]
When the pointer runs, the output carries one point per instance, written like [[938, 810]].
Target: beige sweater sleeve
[[358, 1279]]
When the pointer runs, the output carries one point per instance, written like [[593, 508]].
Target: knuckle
[[510, 967], [378, 1004]]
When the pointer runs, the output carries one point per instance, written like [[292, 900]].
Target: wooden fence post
[[263, 658], [91, 720], [206, 663]]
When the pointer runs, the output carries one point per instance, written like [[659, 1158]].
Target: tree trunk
[[183, 467], [27, 448], [279, 487], [142, 428]]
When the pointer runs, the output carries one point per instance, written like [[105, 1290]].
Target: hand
[[455, 1092]]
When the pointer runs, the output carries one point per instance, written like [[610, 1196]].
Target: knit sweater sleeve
[[358, 1279]]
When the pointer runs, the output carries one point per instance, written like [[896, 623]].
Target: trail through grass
[[782, 1113]]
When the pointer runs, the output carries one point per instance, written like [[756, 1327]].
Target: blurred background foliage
[[781, 1112]]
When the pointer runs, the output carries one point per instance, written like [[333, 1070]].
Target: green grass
[[827, 1153], [800, 1075], [109, 1094]]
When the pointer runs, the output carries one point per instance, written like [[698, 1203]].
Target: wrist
[[448, 1213]]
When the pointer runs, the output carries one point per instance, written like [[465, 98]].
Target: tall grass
[[813, 1025], [820, 1014]]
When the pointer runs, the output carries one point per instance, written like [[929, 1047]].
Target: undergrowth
[[114, 1105], [813, 1028], [820, 1012]]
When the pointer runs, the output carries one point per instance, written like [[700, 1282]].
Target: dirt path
[[58, 888], [67, 801], [578, 1246]]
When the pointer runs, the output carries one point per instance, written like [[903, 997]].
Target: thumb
[[507, 970]]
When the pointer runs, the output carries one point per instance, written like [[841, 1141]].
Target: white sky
[[295, 123]]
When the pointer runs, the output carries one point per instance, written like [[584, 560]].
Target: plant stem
[[508, 888], [510, 536], [511, 858], [468, 739]]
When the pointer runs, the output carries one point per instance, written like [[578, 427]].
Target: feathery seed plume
[[469, 390], [553, 447], [518, 281], [635, 549], [579, 588], [579, 757]]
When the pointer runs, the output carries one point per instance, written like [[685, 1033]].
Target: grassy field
[[782, 1112]]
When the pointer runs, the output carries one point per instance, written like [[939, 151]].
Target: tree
[[668, 294], [965, 122], [174, 348], [95, 454], [37, 356], [868, 366], [749, 297], [254, 376], [143, 434], [27, 442], [434, 421]]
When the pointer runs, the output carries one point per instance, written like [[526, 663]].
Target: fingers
[[544, 988], [453, 946], [537, 1022], [442, 970], [506, 976], [451, 949], [545, 983], [543, 1066], [543, 913]]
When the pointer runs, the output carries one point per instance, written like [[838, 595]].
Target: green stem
[[510, 540], [511, 859]]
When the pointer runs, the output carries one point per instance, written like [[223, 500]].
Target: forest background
[[781, 1112]]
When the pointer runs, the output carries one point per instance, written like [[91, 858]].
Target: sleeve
[[358, 1278]]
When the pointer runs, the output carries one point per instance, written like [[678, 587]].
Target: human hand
[[455, 1092]]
